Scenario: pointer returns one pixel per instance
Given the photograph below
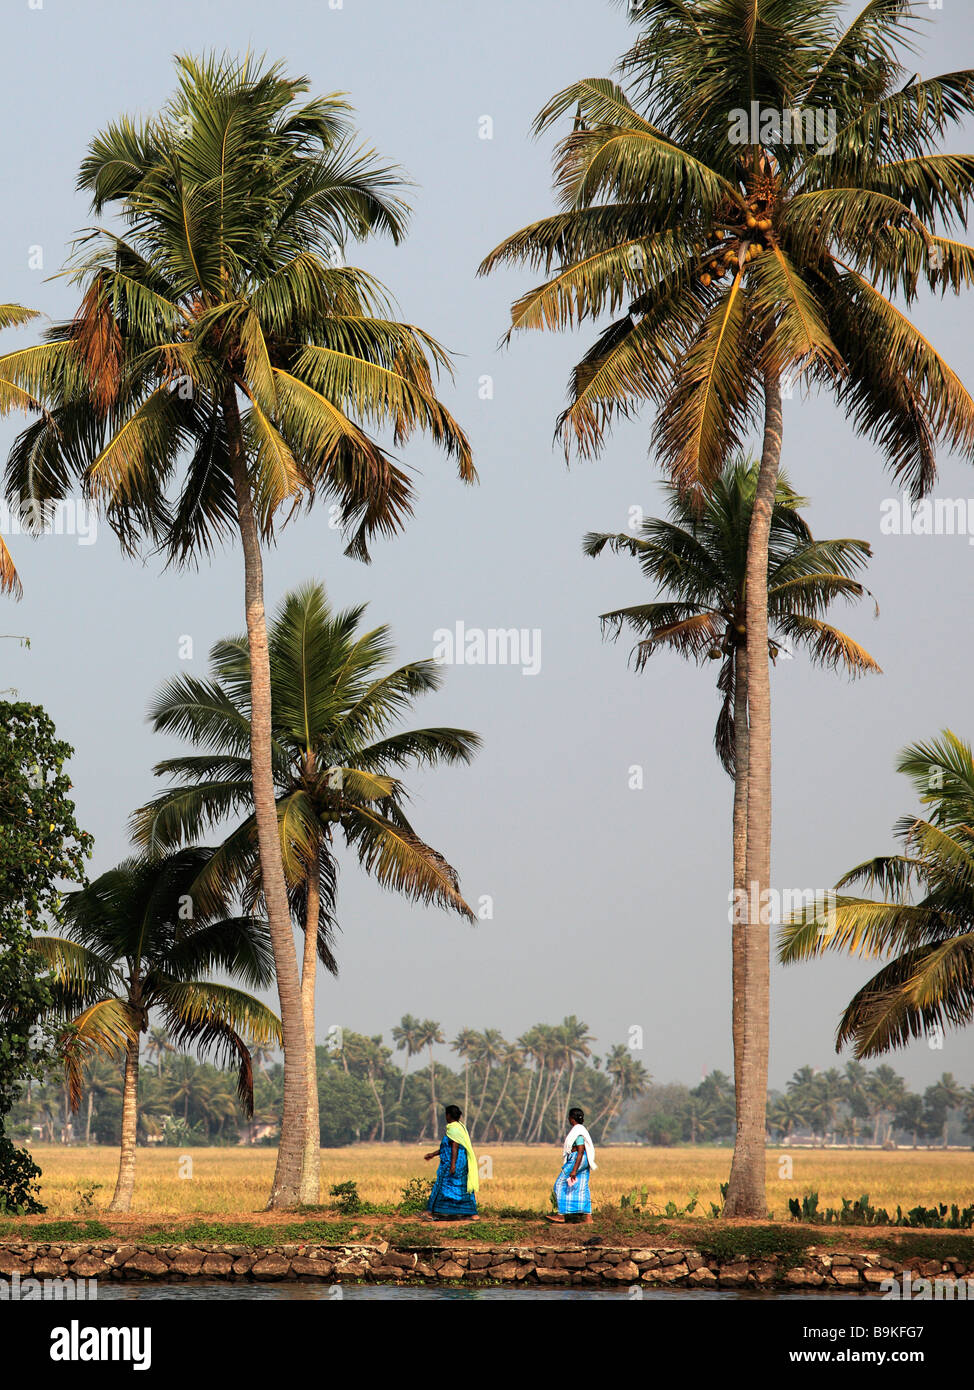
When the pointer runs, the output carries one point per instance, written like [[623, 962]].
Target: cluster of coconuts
[[739, 246]]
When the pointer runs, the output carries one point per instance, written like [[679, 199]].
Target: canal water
[[425, 1293]]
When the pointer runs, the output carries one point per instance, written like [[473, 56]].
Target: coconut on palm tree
[[225, 368], [137, 939], [336, 707], [735, 257], [921, 921]]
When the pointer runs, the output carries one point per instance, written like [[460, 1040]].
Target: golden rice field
[[237, 1180]]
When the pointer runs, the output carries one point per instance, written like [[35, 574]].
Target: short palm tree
[[159, 1046], [742, 258], [463, 1045], [578, 1038], [629, 1079], [487, 1049], [511, 1060], [405, 1034], [923, 920], [224, 368], [429, 1034], [698, 561], [137, 939], [787, 1114], [335, 705], [946, 1094]]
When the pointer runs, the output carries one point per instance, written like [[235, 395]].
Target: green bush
[[347, 1200], [415, 1196], [18, 1181]]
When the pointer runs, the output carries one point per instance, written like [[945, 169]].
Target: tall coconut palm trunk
[[287, 1186], [746, 1189], [738, 929], [125, 1183], [311, 1166]]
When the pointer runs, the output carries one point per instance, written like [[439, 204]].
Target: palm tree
[[943, 1096], [131, 947], [159, 1045], [886, 1093], [578, 1039], [787, 1114], [531, 1048], [428, 1035], [559, 1056], [405, 1035], [698, 561], [217, 330], [909, 1115], [629, 1079], [856, 1095], [928, 980], [831, 1088], [742, 259], [334, 707], [511, 1059], [102, 1079], [488, 1049], [463, 1044]]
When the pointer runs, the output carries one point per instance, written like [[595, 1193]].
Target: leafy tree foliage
[[40, 846]]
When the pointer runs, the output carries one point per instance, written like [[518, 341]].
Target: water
[[423, 1293]]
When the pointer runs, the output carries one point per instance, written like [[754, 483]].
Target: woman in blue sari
[[454, 1195]]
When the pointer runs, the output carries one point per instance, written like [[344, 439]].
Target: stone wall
[[599, 1265]]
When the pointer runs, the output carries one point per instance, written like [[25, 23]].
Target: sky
[[606, 900]]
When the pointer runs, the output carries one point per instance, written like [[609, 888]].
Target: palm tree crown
[[235, 204], [923, 921], [336, 752], [775, 256], [698, 560]]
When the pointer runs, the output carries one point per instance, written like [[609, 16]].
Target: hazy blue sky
[[609, 903]]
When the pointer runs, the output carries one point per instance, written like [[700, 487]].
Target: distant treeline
[[515, 1092]]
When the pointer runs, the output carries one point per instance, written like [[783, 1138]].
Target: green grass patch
[[436, 1233], [751, 1242], [50, 1232], [242, 1233]]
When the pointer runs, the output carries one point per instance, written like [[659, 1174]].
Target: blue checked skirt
[[576, 1199]]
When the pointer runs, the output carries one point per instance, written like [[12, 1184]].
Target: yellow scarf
[[457, 1133]]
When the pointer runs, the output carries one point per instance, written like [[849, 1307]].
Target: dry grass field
[[225, 1181]]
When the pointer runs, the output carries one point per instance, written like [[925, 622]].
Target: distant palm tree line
[[366, 1097]]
